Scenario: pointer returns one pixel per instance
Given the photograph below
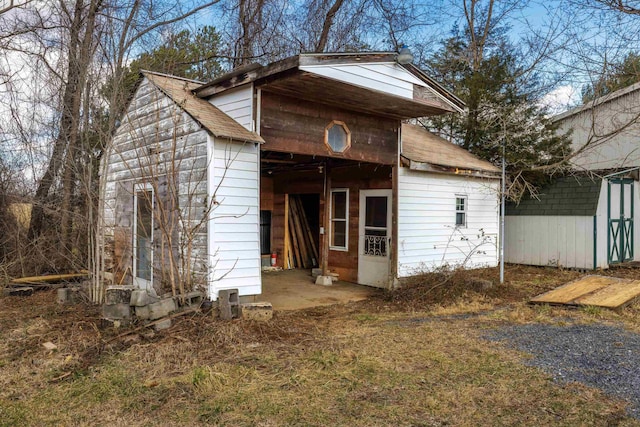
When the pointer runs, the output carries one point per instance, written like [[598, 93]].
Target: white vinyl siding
[[237, 104], [611, 128], [558, 241], [427, 234], [563, 241], [386, 77], [461, 210], [234, 239]]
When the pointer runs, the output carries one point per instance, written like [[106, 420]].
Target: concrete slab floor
[[295, 289]]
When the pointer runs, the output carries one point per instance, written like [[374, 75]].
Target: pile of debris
[[126, 303], [25, 286]]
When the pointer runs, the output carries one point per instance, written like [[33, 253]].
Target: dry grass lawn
[[415, 357]]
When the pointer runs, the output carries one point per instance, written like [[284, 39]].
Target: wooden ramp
[[600, 291]]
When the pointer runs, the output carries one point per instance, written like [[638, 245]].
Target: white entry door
[[143, 237], [375, 238]]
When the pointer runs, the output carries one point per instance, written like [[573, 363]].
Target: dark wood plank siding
[[297, 126], [354, 178]]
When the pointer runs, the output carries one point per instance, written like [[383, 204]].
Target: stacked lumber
[[300, 250]]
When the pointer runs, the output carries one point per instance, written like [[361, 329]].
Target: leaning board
[[602, 291]]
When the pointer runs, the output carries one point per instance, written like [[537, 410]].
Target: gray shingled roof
[[568, 196]]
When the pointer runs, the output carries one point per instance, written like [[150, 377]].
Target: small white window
[[339, 235], [461, 211]]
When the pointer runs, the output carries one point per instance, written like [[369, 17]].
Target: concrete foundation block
[[139, 298], [143, 313], [62, 295], [162, 308], [22, 291], [259, 311], [118, 294], [228, 303], [163, 324], [324, 280], [116, 311]]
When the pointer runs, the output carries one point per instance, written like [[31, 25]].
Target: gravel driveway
[[602, 356]]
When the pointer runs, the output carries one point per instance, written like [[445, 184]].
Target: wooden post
[[285, 264], [393, 259], [326, 220]]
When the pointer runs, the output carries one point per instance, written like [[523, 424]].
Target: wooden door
[[620, 212], [374, 238]]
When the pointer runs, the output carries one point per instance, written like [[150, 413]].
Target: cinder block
[[324, 280], [193, 299], [116, 311], [163, 324], [139, 298], [228, 303], [62, 295], [162, 308], [22, 291], [118, 294], [259, 311]]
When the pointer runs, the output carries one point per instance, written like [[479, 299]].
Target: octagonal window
[[337, 136]]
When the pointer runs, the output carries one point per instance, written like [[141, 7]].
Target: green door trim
[[620, 239]]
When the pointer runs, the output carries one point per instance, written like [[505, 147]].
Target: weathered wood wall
[[160, 144], [355, 178], [297, 126]]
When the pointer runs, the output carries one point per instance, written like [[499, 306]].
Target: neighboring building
[[586, 221], [208, 178], [604, 132]]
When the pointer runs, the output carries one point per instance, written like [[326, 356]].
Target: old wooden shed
[[307, 159]]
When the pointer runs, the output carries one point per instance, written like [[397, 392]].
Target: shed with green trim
[[584, 222]]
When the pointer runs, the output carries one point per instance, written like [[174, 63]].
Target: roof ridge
[[171, 76], [598, 101]]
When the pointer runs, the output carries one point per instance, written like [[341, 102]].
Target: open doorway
[[302, 231]]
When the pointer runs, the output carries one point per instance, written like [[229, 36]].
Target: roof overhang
[[313, 87], [216, 122], [301, 76], [449, 170]]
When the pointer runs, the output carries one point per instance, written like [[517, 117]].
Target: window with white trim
[[339, 233], [461, 211]]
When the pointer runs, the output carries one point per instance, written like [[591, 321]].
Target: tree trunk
[[328, 22]]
